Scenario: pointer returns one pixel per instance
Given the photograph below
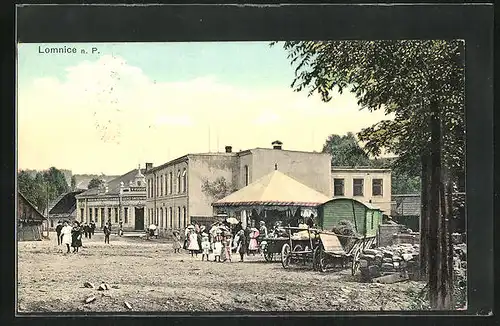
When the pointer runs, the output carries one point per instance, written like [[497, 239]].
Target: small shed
[[365, 217], [29, 220]]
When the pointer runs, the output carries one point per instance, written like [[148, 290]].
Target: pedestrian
[[193, 246], [253, 246], [76, 236], [107, 233], [66, 235], [120, 228], [58, 232], [310, 222], [217, 250], [246, 233], [156, 232], [227, 246], [177, 242], [92, 229], [205, 246], [242, 244]]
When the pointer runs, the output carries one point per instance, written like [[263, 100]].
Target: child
[[227, 247], [217, 247], [205, 246], [193, 246], [177, 242]]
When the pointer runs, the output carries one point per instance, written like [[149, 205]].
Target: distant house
[[405, 210], [64, 208], [367, 185], [29, 220]]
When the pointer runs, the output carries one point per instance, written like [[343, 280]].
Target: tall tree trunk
[[444, 302], [424, 215], [435, 209], [451, 283]]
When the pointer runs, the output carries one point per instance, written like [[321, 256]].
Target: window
[[338, 187], [161, 218], [184, 215], [90, 214], [179, 216], [157, 186], [171, 217], [377, 187], [103, 214], [161, 185], [109, 213], [170, 183], [357, 185], [116, 215], [82, 213], [178, 181], [184, 180], [125, 213], [96, 213], [51, 223], [149, 188], [246, 175]]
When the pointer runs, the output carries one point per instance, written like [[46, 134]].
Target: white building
[[364, 184]]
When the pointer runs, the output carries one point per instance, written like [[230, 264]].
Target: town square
[[191, 177]]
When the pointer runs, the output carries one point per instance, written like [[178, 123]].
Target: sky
[[131, 103]]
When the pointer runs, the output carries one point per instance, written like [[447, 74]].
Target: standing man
[[120, 229], [58, 232], [92, 229], [107, 233]]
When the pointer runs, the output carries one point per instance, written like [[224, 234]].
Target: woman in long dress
[[66, 235], [193, 246], [253, 246], [76, 236], [217, 247]]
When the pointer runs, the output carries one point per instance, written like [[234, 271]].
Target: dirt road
[[149, 276]]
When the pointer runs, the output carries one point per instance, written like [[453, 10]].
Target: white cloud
[[107, 115]]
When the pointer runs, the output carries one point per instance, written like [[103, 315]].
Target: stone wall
[[386, 234]]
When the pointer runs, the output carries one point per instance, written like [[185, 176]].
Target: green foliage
[[217, 189], [73, 182], [95, 183], [345, 151], [40, 186], [404, 78]]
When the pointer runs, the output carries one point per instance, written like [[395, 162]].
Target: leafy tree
[[73, 182], [217, 189], [95, 183], [422, 84], [345, 151]]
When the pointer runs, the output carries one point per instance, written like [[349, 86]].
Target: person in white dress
[[66, 235], [205, 246], [217, 247], [193, 246]]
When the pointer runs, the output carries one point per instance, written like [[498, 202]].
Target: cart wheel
[[285, 255], [355, 262], [316, 257], [322, 261]]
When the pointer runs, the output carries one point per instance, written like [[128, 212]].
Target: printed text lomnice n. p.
[[66, 50]]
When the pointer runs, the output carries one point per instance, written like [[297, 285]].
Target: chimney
[[229, 149], [149, 166], [277, 144]]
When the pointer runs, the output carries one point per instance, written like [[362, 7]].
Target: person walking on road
[[242, 244], [92, 229], [177, 242], [76, 236], [58, 232], [66, 235], [107, 233], [193, 246]]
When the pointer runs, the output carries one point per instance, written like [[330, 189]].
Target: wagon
[[298, 251], [330, 253], [272, 248]]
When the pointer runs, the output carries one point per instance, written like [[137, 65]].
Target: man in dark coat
[[242, 244], [58, 232], [92, 229], [107, 233]]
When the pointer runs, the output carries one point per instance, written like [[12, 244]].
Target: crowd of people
[[221, 240], [71, 235]]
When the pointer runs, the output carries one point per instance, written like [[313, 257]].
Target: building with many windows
[[363, 184], [175, 195], [121, 199]]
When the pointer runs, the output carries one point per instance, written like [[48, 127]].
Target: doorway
[[139, 218]]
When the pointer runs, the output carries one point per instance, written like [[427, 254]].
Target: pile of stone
[[400, 259]]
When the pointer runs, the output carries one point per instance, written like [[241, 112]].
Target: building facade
[[175, 195], [363, 184], [29, 220], [121, 199]]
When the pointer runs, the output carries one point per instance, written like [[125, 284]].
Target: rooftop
[[114, 185], [66, 204]]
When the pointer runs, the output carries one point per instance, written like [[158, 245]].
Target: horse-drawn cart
[[299, 250], [271, 247], [329, 252]]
